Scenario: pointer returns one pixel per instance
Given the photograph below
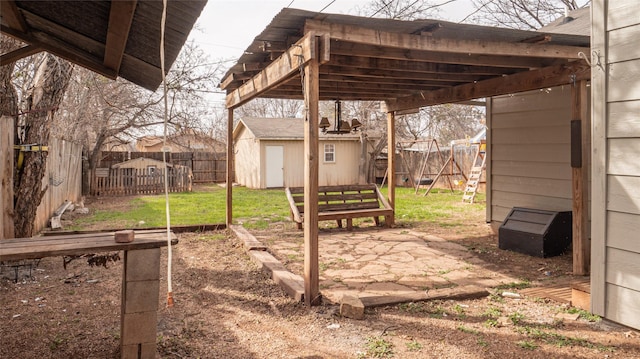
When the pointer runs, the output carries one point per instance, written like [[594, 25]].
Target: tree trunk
[[49, 85], [8, 111]]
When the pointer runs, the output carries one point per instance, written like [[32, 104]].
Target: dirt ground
[[225, 307]]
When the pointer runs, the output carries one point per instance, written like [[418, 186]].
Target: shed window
[[329, 153]]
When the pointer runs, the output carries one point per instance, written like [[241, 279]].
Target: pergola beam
[[276, 72], [524, 81], [18, 54], [361, 35], [12, 16], [120, 19]]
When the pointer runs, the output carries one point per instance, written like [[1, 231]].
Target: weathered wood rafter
[[427, 43], [523, 81], [120, 19], [275, 73], [12, 17], [18, 54], [391, 53]]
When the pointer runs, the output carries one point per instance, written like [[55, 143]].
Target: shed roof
[[397, 61], [577, 22], [141, 159], [111, 37], [281, 129]]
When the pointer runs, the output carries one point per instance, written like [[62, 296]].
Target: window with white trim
[[329, 153]]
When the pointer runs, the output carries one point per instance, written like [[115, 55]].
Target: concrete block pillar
[[139, 309]]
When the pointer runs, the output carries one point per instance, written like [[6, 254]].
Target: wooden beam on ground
[[120, 19], [523, 81], [357, 34], [311, 165], [229, 175], [580, 179], [391, 162], [18, 54], [279, 70]]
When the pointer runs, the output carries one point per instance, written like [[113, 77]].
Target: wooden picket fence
[[133, 181]]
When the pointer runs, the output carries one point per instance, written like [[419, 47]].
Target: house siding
[[530, 152], [615, 281]]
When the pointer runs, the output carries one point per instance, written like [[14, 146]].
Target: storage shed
[[269, 154]]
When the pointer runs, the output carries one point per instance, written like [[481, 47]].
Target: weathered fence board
[[206, 166], [133, 181]]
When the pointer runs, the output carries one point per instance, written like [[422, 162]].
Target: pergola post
[[229, 179], [391, 161], [580, 152], [311, 271]]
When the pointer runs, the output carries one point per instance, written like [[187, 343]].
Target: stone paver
[[394, 263]]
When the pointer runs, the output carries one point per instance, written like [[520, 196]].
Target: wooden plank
[[533, 186], [12, 16], [18, 54], [325, 216], [623, 119], [120, 19], [391, 161], [311, 165], [624, 81], [543, 117], [524, 81], [556, 99], [489, 159], [6, 177], [249, 241], [599, 159], [510, 199], [16, 250], [276, 72], [580, 179], [374, 37], [230, 164], [366, 50]]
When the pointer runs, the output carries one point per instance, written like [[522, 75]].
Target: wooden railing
[[133, 181]]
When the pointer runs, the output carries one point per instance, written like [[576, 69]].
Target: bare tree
[[522, 14], [272, 108], [100, 110], [41, 105], [402, 9]]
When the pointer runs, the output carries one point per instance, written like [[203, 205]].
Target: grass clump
[[378, 347]]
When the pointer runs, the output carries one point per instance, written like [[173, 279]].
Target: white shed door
[[275, 166]]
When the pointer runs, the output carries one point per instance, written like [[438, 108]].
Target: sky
[[226, 27]]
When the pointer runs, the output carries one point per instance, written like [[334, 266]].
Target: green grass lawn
[[258, 208]]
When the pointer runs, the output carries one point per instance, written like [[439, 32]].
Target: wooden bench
[[342, 202], [140, 279]]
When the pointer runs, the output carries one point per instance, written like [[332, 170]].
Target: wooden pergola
[[407, 65]]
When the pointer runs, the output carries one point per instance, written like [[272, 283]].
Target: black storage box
[[536, 232]]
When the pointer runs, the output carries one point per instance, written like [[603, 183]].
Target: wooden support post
[[229, 180], [580, 178], [6, 177], [391, 161], [311, 153]]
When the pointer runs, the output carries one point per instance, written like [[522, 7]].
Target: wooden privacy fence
[[206, 167], [133, 181]]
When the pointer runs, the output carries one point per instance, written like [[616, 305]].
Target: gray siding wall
[[615, 281], [530, 152]]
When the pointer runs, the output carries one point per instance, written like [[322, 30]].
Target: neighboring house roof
[[148, 161], [577, 22], [282, 129], [113, 38]]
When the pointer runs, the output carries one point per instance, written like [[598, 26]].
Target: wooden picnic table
[[140, 279]]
